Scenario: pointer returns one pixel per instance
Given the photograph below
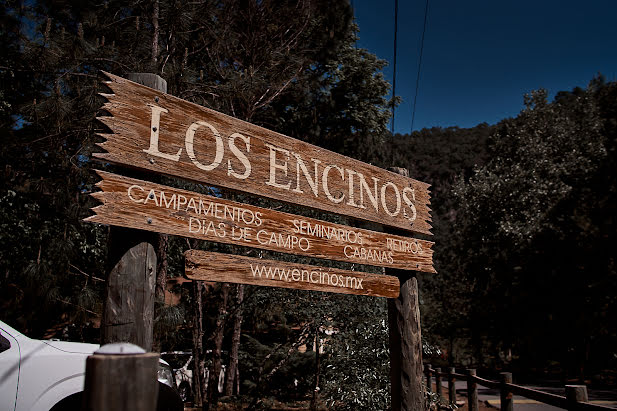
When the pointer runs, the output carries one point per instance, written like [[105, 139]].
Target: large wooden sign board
[[147, 206], [209, 266], [167, 135], [156, 132]]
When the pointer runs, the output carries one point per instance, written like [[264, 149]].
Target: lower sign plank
[[208, 266], [147, 206]]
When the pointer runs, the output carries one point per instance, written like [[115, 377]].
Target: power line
[[415, 98], [394, 74]]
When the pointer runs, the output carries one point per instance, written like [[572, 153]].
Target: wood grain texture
[[209, 266], [128, 304], [472, 391], [123, 382], [164, 134], [128, 312], [163, 209], [406, 348]]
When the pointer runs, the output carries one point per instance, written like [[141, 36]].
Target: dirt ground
[[299, 406], [481, 407], [304, 405]]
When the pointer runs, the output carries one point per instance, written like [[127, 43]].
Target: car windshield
[[176, 360], [5, 344]]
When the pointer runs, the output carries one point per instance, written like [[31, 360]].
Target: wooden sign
[[208, 266], [164, 134], [143, 205]]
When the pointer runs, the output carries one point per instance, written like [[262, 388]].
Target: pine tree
[[292, 67]]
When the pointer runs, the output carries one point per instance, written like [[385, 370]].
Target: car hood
[[73, 347]]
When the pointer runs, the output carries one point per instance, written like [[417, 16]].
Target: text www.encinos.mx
[[313, 276]]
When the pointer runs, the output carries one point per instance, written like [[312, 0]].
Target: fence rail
[[575, 399]]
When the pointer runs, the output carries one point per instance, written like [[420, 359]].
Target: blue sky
[[481, 57]]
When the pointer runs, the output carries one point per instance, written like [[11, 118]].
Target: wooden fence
[[575, 399]]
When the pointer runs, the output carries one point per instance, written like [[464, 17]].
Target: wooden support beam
[[451, 385], [438, 382], [506, 402], [128, 312], [405, 339], [128, 307], [428, 372], [472, 390]]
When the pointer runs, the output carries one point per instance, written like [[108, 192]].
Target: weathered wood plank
[[209, 266], [164, 134], [143, 205]]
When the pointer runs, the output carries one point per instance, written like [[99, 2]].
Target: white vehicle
[[47, 375], [182, 365]]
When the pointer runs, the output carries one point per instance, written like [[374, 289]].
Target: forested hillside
[[525, 231]]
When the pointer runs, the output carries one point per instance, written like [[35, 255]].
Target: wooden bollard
[[576, 394], [505, 395], [451, 385], [472, 390], [121, 377], [438, 382], [428, 371]]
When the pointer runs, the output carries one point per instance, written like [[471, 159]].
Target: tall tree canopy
[[290, 66], [528, 273]]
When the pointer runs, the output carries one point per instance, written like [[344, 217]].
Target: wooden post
[[506, 400], [148, 79], [451, 385], [405, 345], [576, 394], [438, 382], [472, 390], [121, 377], [428, 371], [405, 338], [128, 312]]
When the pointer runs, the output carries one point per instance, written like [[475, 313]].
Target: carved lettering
[[155, 126], [188, 142], [277, 166]]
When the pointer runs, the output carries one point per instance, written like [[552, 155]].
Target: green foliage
[[291, 66], [435, 402], [341, 105], [523, 211], [527, 274], [357, 364], [290, 381]]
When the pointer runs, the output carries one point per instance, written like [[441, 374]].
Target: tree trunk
[[161, 282], [197, 334], [263, 380], [161, 269], [155, 33], [219, 332], [233, 371], [317, 361]]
